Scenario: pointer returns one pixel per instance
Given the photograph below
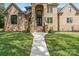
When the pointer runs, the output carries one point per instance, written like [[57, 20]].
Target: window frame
[[49, 9], [12, 19], [49, 20], [69, 20], [70, 9]]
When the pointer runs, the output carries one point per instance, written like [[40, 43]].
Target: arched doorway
[[39, 15]]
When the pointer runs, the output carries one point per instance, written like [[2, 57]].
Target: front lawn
[[15, 43], [63, 43]]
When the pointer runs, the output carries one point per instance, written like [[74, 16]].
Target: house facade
[[15, 19], [42, 17], [69, 18]]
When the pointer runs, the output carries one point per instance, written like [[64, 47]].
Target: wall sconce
[[20, 17]]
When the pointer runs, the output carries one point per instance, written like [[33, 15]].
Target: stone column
[[45, 17], [45, 13], [33, 25]]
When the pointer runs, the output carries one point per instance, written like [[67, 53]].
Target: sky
[[22, 5]]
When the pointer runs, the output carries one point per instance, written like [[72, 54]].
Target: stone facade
[[22, 20], [26, 21], [53, 26], [69, 11]]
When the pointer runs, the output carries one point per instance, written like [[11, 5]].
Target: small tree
[[1, 15], [49, 31]]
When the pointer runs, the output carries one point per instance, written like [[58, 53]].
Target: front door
[[39, 21], [39, 17]]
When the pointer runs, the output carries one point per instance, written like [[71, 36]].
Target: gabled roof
[[71, 4], [28, 7], [12, 4]]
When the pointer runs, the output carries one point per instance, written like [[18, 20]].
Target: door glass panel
[[39, 21], [39, 17], [39, 14]]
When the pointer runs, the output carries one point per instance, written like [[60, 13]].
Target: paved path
[[39, 47]]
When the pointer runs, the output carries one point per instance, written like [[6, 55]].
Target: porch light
[[19, 17]]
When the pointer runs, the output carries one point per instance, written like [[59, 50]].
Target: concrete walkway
[[39, 47]]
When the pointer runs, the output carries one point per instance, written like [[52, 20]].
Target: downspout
[[58, 22]]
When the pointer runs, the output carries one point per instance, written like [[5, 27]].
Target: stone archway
[[39, 15]]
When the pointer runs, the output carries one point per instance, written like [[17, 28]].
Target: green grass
[[15, 43], [63, 43]]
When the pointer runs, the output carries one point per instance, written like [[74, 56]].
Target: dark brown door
[[39, 21], [39, 17]]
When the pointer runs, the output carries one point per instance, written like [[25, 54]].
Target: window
[[49, 20], [69, 20], [39, 12], [49, 9], [70, 9], [13, 19]]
